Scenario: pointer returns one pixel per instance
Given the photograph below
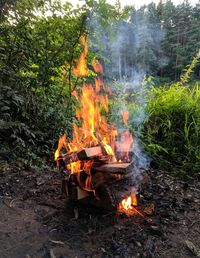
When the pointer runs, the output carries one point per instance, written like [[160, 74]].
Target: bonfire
[[98, 162]]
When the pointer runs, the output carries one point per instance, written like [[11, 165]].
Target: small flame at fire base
[[127, 205]]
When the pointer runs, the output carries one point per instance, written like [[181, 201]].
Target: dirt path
[[36, 222]]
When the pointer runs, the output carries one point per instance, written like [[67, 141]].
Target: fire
[[74, 167], [125, 115], [81, 69], [93, 129], [128, 203], [61, 143]]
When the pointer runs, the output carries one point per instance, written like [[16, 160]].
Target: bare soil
[[36, 221]]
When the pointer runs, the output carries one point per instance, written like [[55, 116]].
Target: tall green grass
[[171, 133]]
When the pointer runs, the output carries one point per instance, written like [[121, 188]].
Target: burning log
[[124, 155], [84, 154], [106, 195], [109, 185], [101, 174], [89, 153], [115, 167]]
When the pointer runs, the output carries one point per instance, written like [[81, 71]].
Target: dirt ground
[[36, 221]]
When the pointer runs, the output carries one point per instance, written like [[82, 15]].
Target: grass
[[171, 133]]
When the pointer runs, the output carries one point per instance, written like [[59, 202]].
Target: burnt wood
[[89, 153], [109, 183], [84, 154], [115, 167], [106, 195], [124, 156]]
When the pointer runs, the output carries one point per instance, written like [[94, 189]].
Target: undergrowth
[[171, 131], [172, 128], [166, 119]]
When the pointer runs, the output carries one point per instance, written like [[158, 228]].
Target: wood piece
[[121, 189], [74, 192], [114, 167], [67, 158], [89, 153], [106, 194], [81, 193], [84, 154], [124, 156], [101, 177]]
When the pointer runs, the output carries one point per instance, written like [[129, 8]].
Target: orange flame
[[93, 129], [125, 115], [128, 203], [61, 143], [81, 68], [97, 67], [125, 142]]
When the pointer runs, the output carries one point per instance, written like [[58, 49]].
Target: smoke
[[130, 51]]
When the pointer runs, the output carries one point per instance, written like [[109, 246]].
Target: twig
[[195, 250], [194, 222], [13, 202], [48, 205], [108, 214], [137, 211], [195, 189], [57, 242]]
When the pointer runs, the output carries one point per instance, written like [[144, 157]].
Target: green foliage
[[35, 101], [190, 69], [171, 132]]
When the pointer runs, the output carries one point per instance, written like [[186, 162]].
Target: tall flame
[[125, 115], [61, 143], [81, 68], [92, 114]]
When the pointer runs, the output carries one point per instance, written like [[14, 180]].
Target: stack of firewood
[[107, 183]]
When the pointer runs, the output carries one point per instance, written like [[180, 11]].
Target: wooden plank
[[89, 153], [124, 156], [115, 167], [84, 154]]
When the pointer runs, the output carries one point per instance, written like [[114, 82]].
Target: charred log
[[84, 154]]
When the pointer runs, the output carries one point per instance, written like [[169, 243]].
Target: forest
[[102, 161]]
